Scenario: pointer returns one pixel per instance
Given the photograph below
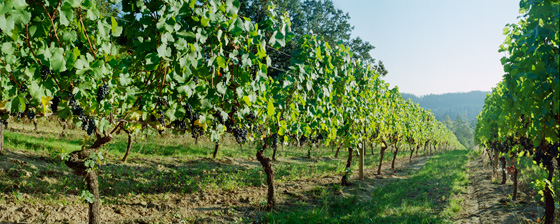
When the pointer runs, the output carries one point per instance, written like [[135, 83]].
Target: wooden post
[[361, 161]]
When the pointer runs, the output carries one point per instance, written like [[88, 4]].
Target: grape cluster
[[102, 92], [273, 139], [72, 102], [23, 88], [17, 115], [54, 104], [45, 72], [251, 117], [196, 131], [2, 121], [161, 118], [240, 135], [229, 124], [78, 111], [88, 125], [219, 117], [30, 114], [189, 112], [180, 124]]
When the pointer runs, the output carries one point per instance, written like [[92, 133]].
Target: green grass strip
[[422, 198]]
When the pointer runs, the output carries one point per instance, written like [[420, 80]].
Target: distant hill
[[467, 105]]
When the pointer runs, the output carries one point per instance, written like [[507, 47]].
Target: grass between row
[[424, 197], [168, 164]]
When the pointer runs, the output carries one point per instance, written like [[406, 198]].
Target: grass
[[160, 165], [422, 198]]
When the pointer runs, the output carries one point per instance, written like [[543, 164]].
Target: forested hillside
[[467, 105]]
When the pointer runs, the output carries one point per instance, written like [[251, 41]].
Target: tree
[[316, 17], [447, 121], [109, 7], [463, 131]]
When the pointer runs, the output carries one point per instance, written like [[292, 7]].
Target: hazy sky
[[435, 46]]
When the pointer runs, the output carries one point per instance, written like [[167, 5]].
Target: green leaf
[[58, 63], [66, 14], [221, 61], [270, 108], [87, 196], [152, 61], [185, 89], [247, 100], [5, 6], [236, 27], [103, 125], [232, 7], [7, 48], [221, 87], [36, 90], [282, 128], [170, 113], [17, 105], [164, 51], [19, 4], [114, 24], [6, 23]]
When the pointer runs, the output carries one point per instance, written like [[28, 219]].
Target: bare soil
[[486, 201]]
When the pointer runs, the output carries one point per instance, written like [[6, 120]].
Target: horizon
[[437, 94]]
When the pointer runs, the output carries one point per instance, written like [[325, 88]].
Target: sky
[[435, 46]]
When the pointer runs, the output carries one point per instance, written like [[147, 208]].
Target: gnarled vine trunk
[[93, 187], [216, 147], [345, 181], [395, 157], [76, 162], [490, 158], [496, 156], [503, 160], [267, 166], [412, 152], [549, 207], [337, 150], [274, 149], [128, 146], [382, 153], [514, 197]]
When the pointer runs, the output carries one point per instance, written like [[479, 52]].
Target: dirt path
[[487, 202]]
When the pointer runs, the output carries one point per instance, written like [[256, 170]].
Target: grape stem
[[163, 79], [85, 33], [51, 18], [11, 75], [29, 44]]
